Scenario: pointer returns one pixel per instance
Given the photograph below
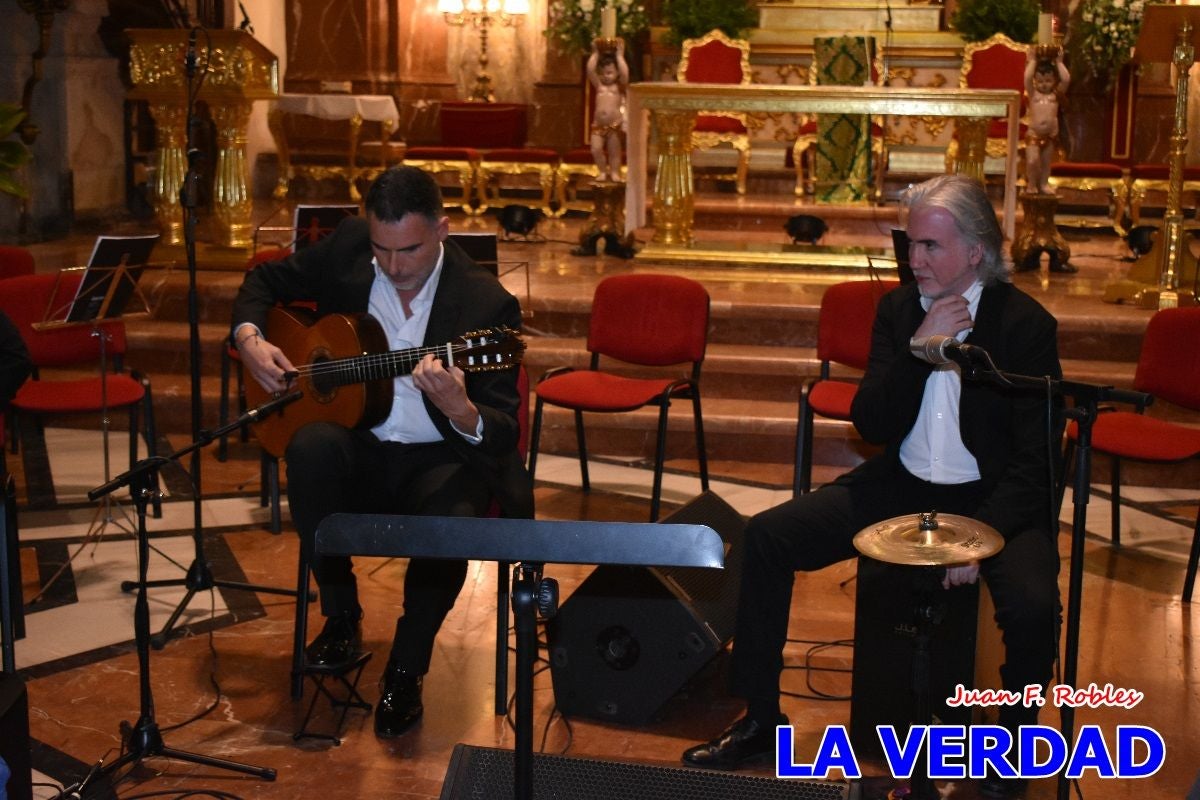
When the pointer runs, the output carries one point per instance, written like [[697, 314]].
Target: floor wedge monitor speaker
[[485, 773], [629, 637]]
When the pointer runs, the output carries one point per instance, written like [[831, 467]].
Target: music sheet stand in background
[[107, 291], [310, 224], [484, 250]]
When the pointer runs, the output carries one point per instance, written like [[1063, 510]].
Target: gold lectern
[[239, 71], [1166, 276]]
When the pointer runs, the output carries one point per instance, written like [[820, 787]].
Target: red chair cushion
[[711, 124], [578, 155], [76, 396], [29, 298], [589, 390], [832, 398], [441, 154], [15, 261], [656, 320], [714, 62], [1085, 169], [1161, 172], [847, 315], [530, 155], [997, 67], [1168, 366], [1130, 435], [483, 125]]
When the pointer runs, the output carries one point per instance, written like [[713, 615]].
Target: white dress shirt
[[934, 449]]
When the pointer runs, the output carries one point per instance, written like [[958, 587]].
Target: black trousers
[[333, 469], [817, 529]]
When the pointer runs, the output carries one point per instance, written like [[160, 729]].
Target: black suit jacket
[[1005, 429], [337, 273]]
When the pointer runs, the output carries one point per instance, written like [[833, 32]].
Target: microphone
[[189, 60], [268, 408], [940, 349]]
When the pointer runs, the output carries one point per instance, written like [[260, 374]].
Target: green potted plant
[[976, 20], [691, 19], [13, 153]]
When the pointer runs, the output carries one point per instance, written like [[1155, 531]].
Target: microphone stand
[[199, 575], [143, 738], [1087, 398]]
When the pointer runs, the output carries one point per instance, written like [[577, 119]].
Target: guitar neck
[[378, 366]]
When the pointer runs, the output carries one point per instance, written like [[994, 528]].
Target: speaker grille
[[628, 637], [487, 773]]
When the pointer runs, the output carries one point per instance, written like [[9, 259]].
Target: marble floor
[[221, 689]]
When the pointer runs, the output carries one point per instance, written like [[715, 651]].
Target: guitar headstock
[[488, 349]]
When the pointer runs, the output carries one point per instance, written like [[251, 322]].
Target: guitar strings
[[406, 358]]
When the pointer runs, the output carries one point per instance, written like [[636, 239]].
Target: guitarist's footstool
[[344, 677]]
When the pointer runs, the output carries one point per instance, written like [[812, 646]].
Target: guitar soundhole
[[324, 381]]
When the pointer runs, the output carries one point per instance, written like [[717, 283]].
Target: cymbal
[[929, 540]]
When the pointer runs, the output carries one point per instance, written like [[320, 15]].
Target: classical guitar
[[346, 370]]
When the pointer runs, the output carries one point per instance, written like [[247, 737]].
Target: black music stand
[[528, 544], [107, 290]]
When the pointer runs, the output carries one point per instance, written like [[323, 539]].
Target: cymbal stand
[[143, 738]]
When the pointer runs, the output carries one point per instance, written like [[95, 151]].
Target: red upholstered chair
[[715, 58], [1092, 176], [643, 320], [1145, 178], [1169, 369], [995, 63], [843, 338], [26, 300], [15, 261]]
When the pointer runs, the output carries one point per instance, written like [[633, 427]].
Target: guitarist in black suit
[[449, 444]]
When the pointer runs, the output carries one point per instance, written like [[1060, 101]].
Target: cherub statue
[[1046, 81], [609, 74]]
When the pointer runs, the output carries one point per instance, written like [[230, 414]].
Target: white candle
[[608, 22], [1045, 29]]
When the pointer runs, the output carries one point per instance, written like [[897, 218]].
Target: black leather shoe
[[996, 787], [338, 643], [742, 743], [399, 706]]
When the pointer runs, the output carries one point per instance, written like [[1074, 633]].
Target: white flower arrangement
[[1109, 29], [575, 23]]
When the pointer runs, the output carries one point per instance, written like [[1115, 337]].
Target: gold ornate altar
[[239, 71], [671, 108]]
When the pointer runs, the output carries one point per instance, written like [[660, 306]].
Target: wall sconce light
[[483, 14]]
